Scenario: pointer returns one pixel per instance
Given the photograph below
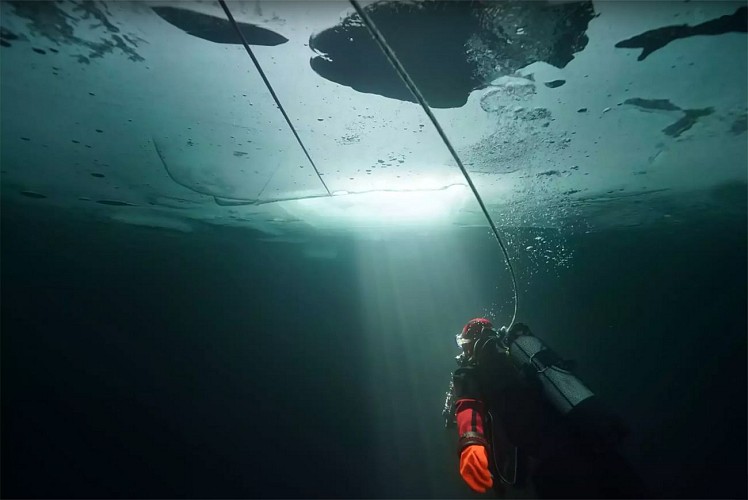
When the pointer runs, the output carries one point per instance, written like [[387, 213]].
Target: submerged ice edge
[[335, 194]]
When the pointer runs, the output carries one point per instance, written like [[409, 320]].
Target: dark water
[[138, 363]]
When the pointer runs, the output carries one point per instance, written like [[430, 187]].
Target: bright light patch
[[381, 208]]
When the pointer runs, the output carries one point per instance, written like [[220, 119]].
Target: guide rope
[[270, 88], [377, 35]]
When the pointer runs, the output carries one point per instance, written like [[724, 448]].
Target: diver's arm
[[473, 446], [470, 416], [469, 410]]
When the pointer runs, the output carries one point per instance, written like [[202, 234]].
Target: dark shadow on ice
[[51, 21], [216, 29], [460, 47], [653, 104], [554, 84], [688, 120], [653, 40]]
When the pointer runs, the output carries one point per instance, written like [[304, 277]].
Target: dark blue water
[[140, 363]]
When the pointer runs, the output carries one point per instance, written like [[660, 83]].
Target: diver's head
[[474, 329]]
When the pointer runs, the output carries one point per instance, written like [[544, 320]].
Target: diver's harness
[[560, 386]]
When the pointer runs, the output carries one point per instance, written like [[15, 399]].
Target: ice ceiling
[[573, 115]]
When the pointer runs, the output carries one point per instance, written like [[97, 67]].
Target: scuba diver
[[525, 421]]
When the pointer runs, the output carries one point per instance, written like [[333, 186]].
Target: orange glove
[[474, 468]]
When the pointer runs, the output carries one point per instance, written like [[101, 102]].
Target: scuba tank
[[593, 423], [531, 356]]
